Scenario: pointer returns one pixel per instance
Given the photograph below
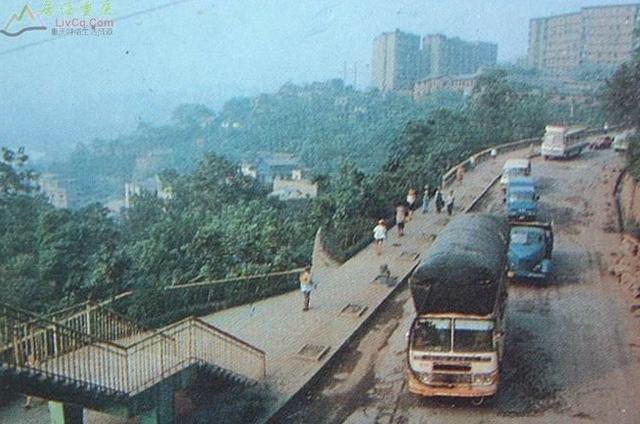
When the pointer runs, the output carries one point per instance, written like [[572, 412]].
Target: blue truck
[[521, 199], [530, 250]]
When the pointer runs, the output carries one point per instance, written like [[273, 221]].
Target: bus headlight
[[484, 379], [424, 377]]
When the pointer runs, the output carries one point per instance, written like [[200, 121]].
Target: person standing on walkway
[[449, 202], [306, 286], [401, 215], [379, 234], [412, 203], [426, 198], [438, 200]]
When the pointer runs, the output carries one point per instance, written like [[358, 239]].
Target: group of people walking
[[404, 211]]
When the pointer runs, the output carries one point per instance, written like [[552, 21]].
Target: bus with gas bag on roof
[[456, 340]]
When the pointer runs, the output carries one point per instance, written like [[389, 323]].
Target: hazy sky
[[75, 88]]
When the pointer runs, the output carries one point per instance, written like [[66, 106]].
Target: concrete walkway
[[280, 327]]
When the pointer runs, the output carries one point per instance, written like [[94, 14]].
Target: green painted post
[[65, 413], [164, 410]]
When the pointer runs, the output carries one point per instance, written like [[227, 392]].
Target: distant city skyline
[[60, 93]]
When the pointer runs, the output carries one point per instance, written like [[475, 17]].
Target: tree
[[14, 178], [622, 93]]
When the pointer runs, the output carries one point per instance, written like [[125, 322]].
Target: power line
[[118, 19]]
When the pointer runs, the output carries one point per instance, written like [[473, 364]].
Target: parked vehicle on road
[[561, 142], [602, 143], [456, 340], [521, 199], [530, 250], [515, 168], [621, 142]]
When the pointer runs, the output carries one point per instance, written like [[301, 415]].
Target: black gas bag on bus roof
[[462, 271]]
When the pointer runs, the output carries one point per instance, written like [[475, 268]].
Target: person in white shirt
[[449, 203], [379, 234], [412, 203]]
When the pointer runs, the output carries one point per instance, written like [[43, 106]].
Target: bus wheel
[[477, 401]]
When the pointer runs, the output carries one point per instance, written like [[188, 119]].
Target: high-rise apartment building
[[442, 56], [602, 35], [399, 61], [396, 60]]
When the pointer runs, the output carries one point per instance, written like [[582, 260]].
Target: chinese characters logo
[[84, 18]]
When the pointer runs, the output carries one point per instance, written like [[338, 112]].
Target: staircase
[[94, 356]]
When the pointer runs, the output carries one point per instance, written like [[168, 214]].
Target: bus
[[561, 142], [456, 339]]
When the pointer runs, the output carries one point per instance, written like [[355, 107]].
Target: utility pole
[[355, 74]]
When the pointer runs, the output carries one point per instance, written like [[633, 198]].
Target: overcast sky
[[74, 88]]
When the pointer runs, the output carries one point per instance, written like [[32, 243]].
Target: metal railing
[[32, 342], [473, 160], [99, 321]]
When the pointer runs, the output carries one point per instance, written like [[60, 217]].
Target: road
[[571, 354]]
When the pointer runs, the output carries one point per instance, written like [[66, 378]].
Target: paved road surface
[[571, 353]]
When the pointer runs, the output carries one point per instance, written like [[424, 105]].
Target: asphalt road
[[571, 354]]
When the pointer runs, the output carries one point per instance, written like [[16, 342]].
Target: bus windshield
[[473, 336], [554, 139], [432, 335], [525, 237], [520, 196]]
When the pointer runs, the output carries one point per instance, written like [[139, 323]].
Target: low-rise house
[[294, 189]]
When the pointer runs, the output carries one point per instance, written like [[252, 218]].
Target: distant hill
[[322, 123]]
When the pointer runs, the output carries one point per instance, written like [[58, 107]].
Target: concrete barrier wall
[[629, 198]]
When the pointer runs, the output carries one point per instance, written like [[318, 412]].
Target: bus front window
[[432, 335], [520, 197], [553, 139], [473, 336]]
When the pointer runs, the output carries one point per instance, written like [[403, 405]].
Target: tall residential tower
[[396, 60], [602, 35], [399, 61]]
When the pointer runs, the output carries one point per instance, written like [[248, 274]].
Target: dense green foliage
[[324, 124], [622, 94], [219, 224]]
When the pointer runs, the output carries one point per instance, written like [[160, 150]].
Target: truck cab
[[455, 355], [521, 199], [514, 168], [530, 249]]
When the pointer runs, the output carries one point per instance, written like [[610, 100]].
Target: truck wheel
[[477, 401]]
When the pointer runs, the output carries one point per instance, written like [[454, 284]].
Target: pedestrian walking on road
[[412, 203], [460, 173], [306, 286], [401, 215], [449, 202], [426, 198], [379, 234], [439, 201]]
